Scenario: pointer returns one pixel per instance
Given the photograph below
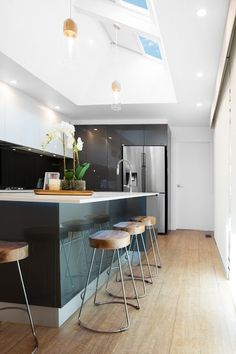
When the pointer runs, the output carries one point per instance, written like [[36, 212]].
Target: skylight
[[139, 3], [151, 47]]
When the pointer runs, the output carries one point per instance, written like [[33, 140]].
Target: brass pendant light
[[70, 27]]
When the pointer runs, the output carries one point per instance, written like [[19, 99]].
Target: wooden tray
[[63, 192]]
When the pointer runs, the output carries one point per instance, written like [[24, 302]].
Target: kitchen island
[[57, 229]]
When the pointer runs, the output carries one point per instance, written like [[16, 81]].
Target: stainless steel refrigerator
[[149, 172]]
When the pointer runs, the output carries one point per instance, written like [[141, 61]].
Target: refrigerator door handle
[[143, 167]]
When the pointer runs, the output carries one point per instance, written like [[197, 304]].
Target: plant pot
[[73, 184], [79, 185], [67, 184]]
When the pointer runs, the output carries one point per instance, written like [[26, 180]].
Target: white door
[[194, 204]]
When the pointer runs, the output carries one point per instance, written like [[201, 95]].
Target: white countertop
[[96, 197]]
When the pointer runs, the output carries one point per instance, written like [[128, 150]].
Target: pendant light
[[70, 31], [116, 86]]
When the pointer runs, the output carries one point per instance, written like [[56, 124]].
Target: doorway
[[194, 187]]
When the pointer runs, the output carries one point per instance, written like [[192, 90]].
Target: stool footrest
[[127, 297], [117, 302], [122, 329]]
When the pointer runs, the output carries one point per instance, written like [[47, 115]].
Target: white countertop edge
[[96, 197]]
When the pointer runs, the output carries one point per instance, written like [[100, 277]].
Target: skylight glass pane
[[150, 47], [139, 3]]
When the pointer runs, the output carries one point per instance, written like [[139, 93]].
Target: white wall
[[24, 121], [184, 134], [225, 170]]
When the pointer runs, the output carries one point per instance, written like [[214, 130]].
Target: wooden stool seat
[[133, 228], [147, 220], [13, 251], [110, 239]]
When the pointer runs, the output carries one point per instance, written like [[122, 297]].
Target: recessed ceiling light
[[13, 82], [54, 155], [199, 74], [95, 129], [91, 41], [110, 137], [57, 107], [13, 149], [199, 104], [29, 149], [201, 12], [41, 155]]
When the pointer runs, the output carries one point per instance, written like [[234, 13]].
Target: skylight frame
[[136, 8], [156, 40]]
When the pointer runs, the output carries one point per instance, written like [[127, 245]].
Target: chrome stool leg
[[157, 247], [136, 297], [153, 251], [28, 310], [110, 269], [36, 347], [147, 260], [98, 276]]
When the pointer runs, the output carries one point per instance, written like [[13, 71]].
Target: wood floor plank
[[188, 310]]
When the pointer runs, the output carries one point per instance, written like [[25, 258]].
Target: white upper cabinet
[[24, 121]]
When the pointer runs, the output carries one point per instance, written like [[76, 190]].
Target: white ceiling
[[34, 54]]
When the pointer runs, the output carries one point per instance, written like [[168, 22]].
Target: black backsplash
[[23, 169]]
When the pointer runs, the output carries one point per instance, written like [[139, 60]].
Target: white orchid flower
[[79, 144]]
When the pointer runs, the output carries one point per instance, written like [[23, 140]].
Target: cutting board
[[85, 193]]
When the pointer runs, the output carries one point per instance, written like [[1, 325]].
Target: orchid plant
[[65, 132]]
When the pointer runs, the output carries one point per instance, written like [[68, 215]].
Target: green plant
[[81, 169]]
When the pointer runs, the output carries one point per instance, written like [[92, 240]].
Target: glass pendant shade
[[70, 28], [116, 86], [116, 89]]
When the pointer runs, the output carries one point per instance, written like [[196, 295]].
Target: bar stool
[[150, 222], [14, 252], [109, 240], [136, 230]]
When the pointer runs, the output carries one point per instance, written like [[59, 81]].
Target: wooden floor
[[188, 310]]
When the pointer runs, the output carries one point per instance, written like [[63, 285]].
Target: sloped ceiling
[[31, 35]]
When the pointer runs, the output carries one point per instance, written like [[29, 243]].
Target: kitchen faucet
[[129, 185]]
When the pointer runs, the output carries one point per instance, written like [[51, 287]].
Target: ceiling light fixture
[[201, 12], [199, 104], [70, 27], [70, 31], [13, 82], [116, 86], [57, 108], [199, 74]]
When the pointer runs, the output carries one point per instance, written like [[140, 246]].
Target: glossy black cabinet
[[103, 149], [156, 135], [95, 152]]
